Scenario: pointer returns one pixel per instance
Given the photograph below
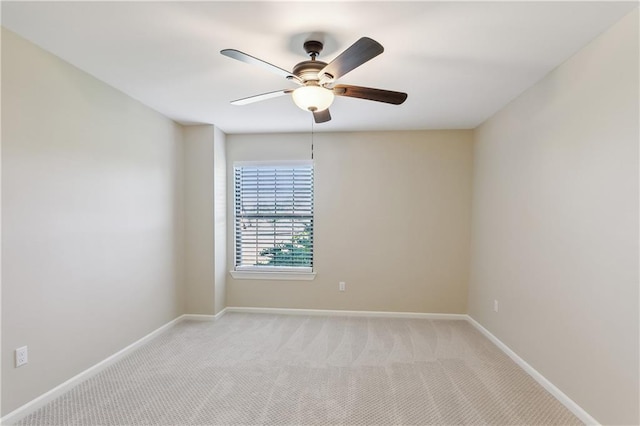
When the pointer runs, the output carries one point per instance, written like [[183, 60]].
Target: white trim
[[268, 275], [578, 411], [45, 398], [266, 268], [40, 401], [273, 163], [202, 317], [289, 311]]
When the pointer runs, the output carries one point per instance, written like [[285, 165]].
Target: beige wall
[[199, 220], [91, 220], [205, 219], [392, 220], [555, 226], [220, 218]]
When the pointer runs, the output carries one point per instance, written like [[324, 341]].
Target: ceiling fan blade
[[322, 116], [357, 54], [241, 56], [379, 95], [262, 97]]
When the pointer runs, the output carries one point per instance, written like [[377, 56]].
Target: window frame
[[271, 272]]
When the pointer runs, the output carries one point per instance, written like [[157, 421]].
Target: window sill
[[261, 275]]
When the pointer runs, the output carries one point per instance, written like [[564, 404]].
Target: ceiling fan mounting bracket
[[313, 48]]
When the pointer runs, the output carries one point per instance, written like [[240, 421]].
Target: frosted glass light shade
[[312, 98]]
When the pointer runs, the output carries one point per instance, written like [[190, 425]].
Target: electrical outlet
[[342, 286], [495, 306], [21, 356]]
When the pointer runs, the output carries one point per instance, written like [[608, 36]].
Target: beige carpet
[[302, 370]]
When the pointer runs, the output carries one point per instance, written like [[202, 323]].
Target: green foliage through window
[[298, 252]]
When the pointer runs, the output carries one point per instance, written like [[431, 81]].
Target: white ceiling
[[459, 62]]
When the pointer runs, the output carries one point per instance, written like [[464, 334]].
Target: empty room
[[315, 212]]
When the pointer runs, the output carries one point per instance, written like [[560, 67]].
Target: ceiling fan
[[317, 78]]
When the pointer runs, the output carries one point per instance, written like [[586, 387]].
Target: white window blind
[[274, 217]]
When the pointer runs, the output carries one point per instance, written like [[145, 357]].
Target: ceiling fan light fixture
[[312, 98]]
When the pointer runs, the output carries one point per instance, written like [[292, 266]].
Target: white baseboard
[[578, 411], [45, 398], [290, 311], [202, 317], [21, 412]]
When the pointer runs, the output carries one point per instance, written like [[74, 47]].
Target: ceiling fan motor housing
[[308, 70]]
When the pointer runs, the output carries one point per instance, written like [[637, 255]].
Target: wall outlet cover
[[21, 356]]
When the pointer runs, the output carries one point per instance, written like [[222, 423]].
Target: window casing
[[273, 223]]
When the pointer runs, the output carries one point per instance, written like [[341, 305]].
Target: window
[[274, 219]]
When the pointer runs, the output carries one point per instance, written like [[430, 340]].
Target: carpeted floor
[[301, 370]]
